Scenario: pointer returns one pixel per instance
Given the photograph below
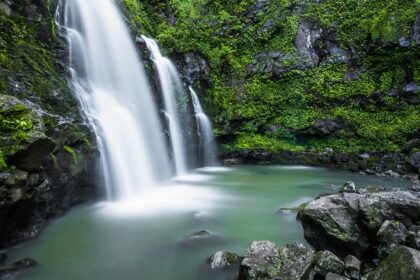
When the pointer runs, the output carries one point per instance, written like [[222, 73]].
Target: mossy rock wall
[[279, 66]]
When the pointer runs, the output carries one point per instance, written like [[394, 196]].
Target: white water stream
[[110, 83]]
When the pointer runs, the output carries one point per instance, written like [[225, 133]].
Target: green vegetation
[[229, 34]]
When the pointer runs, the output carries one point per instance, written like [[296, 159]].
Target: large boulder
[[265, 260], [323, 263], [22, 134], [391, 235], [347, 223], [402, 263]]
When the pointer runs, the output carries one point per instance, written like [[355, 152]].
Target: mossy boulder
[[23, 141], [402, 263], [264, 260]]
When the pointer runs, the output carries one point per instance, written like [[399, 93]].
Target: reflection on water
[[140, 239]]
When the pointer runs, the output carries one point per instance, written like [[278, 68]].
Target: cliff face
[[47, 153], [319, 82]]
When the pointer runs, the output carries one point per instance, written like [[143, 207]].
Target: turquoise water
[[140, 239]]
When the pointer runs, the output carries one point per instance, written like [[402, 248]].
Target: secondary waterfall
[[109, 81], [205, 132], [170, 85]]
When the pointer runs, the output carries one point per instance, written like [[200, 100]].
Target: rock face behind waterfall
[[47, 153]]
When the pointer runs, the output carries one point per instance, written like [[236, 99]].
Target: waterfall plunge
[[205, 132], [109, 81], [170, 86]]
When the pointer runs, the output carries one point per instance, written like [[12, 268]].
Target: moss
[[73, 153], [3, 164], [231, 33]]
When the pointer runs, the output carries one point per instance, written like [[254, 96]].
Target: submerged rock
[[402, 263], [265, 260], [200, 237], [26, 263], [223, 259]]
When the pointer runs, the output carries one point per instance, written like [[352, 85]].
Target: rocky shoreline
[[365, 233]]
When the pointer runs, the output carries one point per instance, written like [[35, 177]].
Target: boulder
[[402, 263], [415, 186], [334, 276], [413, 237], [347, 223], [391, 235], [352, 267], [264, 260], [349, 187], [323, 263], [305, 39], [223, 259], [22, 137], [414, 160]]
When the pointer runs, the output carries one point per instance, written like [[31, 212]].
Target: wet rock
[[352, 267], [404, 42], [322, 263], [305, 39], [413, 237], [200, 237], [415, 31], [195, 68], [349, 187], [347, 223], [28, 153], [334, 276], [415, 186], [402, 263], [223, 259], [336, 54], [391, 235], [414, 160], [25, 263], [264, 260], [9, 273], [370, 189], [392, 174]]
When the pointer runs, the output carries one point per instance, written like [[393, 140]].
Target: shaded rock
[[391, 235], [9, 273], [3, 258], [352, 267], [322, 263], [334, 276], [330, 224], [347, 223], [404, 42], [336, 54], [21, 119], [305, 39], [222, 260], [349, 187], [415, 31], [199, 237], [402, 263], [26, 263], [415, 186], [392, 174], [414, 160], [264, 260]]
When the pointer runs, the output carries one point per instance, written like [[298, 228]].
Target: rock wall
[[297, 76], [47, 152]]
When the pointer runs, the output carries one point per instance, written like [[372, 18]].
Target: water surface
[[140, 240]]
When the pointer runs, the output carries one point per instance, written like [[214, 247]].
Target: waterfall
[[205, 132], [108, 79], [170, 85]]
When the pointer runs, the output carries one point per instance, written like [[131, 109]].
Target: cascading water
[[205, 132], [170, 86], [109, 81]]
